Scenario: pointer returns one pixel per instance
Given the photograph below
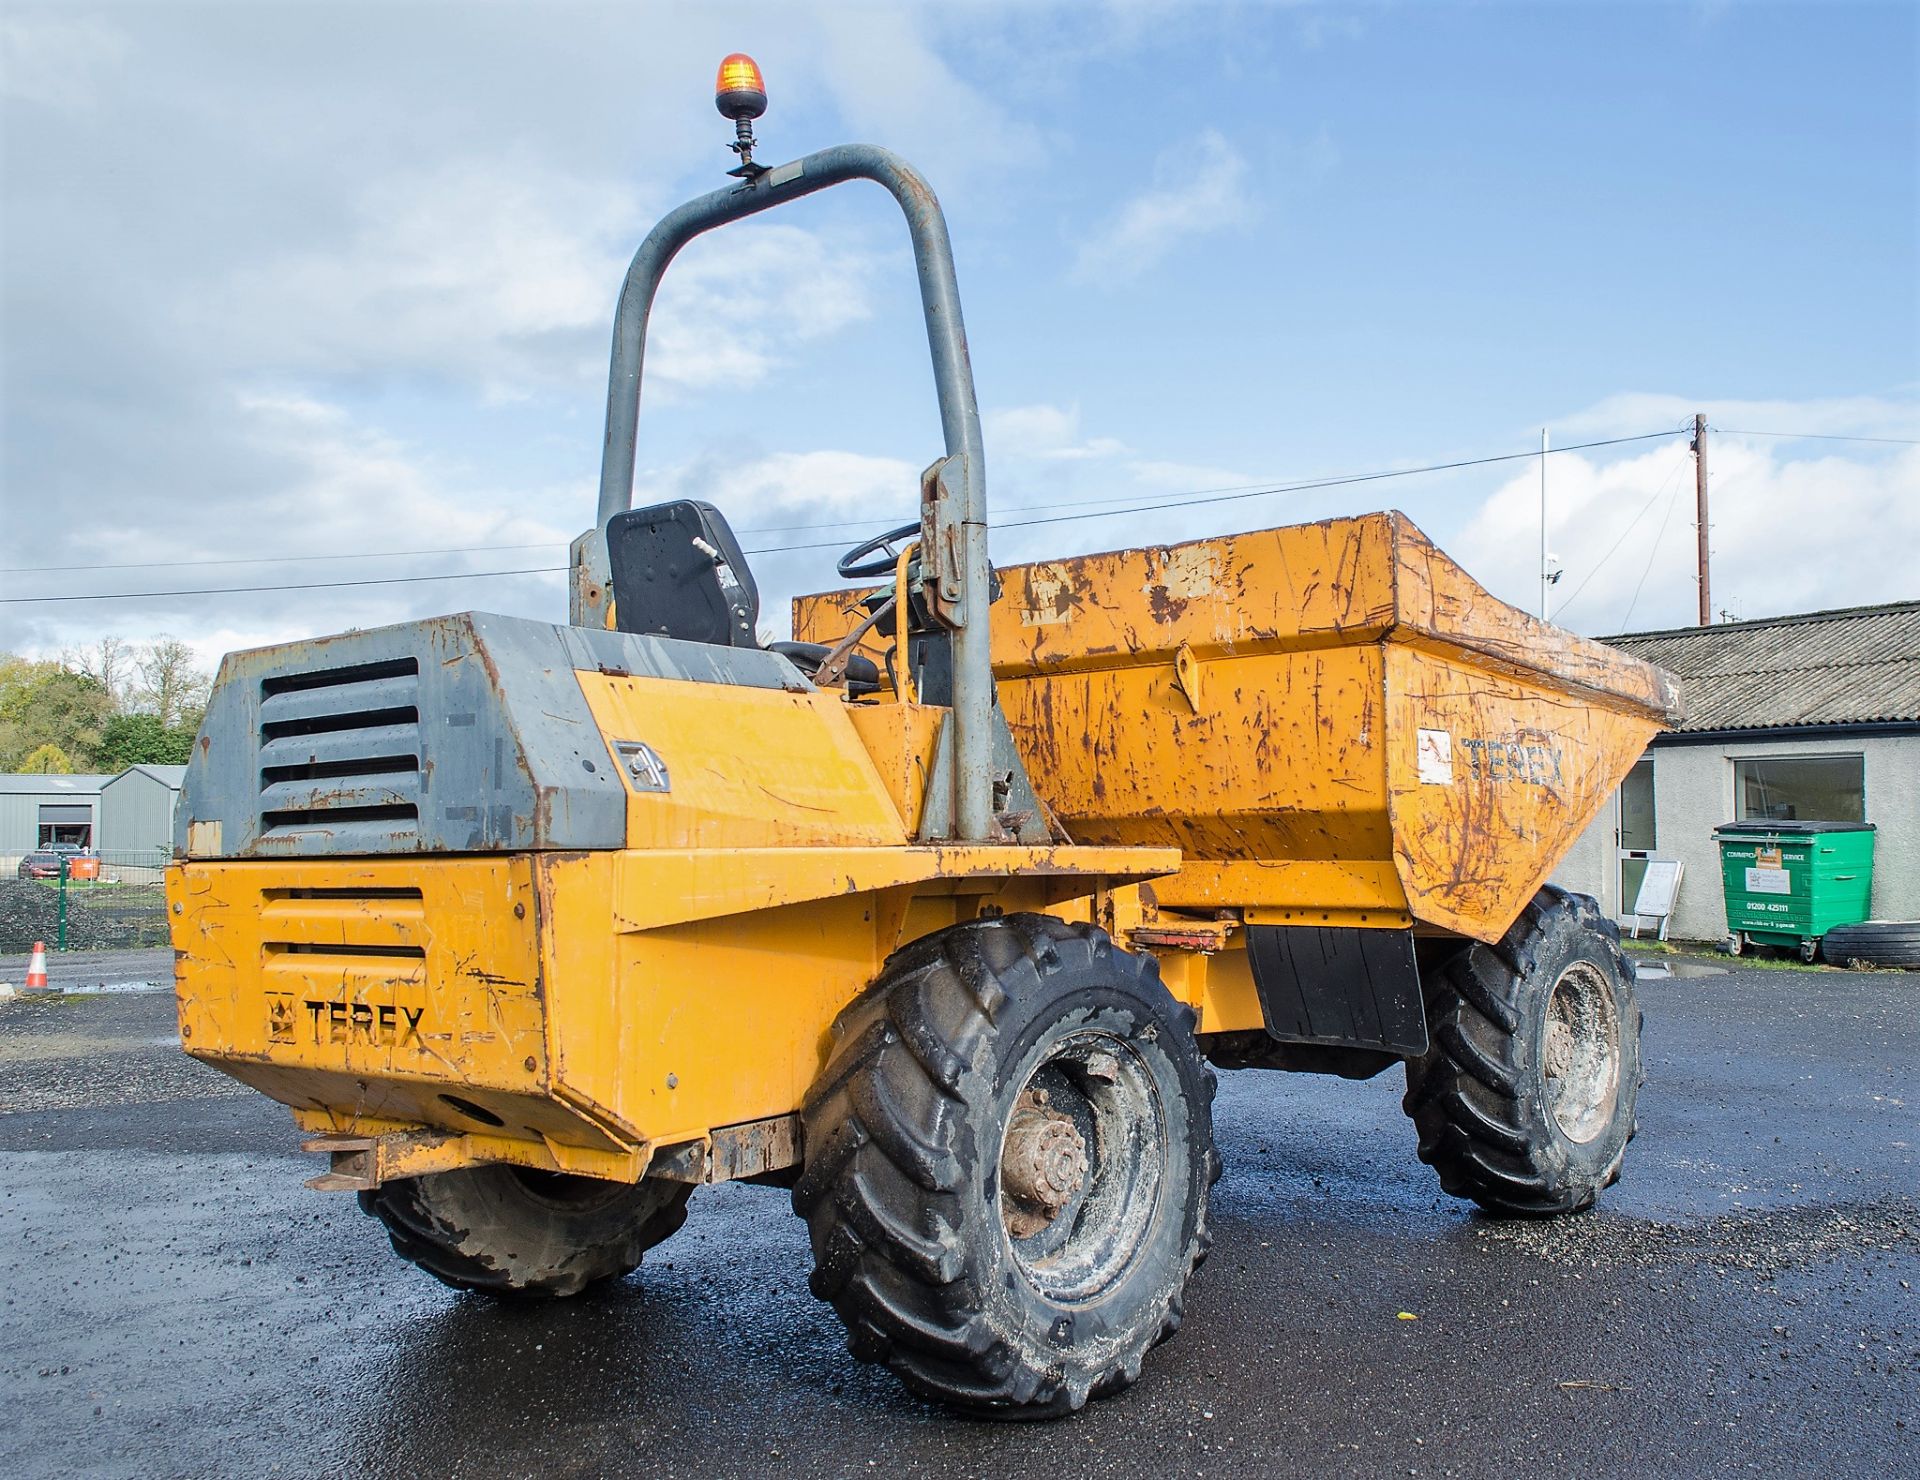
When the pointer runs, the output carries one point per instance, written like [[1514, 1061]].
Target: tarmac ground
[[1743, 1302]]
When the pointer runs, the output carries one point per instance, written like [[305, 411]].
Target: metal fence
[[95, 902]]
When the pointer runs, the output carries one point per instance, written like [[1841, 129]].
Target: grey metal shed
[[66, 807], [136, 809]]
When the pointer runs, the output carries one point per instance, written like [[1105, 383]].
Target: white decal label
[[1769, 881], [1436, 758]]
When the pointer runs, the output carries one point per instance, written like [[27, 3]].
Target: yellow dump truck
[[938, 914]]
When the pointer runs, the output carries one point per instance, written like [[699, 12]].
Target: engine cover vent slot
[[339, 751]]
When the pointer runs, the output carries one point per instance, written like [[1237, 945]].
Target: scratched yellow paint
[[367, 988], [748, 767], [670, 1032], [558, 993], [1530, 768], [1329, 724], [1260, 702]]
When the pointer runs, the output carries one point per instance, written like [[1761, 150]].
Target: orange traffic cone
[[37, 968]]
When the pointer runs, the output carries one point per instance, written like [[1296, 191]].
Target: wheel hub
[[1580, 1053], [1043, 1165], [1083, 1152]]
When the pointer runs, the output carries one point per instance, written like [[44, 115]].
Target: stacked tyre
[[1884, 943]]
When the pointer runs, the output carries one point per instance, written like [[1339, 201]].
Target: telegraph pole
[[1700, 514]]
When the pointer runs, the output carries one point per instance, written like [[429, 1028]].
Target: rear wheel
[[1008, 1163], [511, 1231], [1525, 1099]]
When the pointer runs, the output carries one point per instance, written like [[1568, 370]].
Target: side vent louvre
[[340, 752]]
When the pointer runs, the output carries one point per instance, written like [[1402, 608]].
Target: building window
[[1801, 788]]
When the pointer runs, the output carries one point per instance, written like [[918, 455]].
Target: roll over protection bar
[[954, 500]]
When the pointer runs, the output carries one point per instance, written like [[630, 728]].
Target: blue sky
[[284, 279]]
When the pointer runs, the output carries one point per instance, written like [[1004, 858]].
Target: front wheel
[[1525, 1098], [1008, 1163]]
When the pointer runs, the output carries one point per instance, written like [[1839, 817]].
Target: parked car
[[45, 863]]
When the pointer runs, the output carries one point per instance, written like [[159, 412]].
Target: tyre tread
[[886, 1257], [1464, 1095]]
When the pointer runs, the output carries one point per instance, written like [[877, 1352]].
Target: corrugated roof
[[26, 783], [1860, 665], [169, 776]]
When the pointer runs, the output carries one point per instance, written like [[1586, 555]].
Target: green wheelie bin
[[1789, 883]]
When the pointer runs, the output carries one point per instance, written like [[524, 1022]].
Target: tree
[[111, 660], [141, 740], [47, 760], [45, 704], [172, 686]]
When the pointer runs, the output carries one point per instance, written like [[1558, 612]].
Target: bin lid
[[1748, 829]]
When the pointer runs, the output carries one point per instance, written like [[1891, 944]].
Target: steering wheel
[[864, 560]]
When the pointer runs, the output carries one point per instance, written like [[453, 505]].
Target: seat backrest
[[677, 571]]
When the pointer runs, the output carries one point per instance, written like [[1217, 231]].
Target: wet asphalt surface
[[1745, 1301]]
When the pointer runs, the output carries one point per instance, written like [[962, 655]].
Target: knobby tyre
[[507, 1230], [1009, 1156], [1525, 1099]]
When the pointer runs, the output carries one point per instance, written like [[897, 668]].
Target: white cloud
[[769, 494], [1795, 526], [1198, 187], [341, 490], [1045, 432], [889, 81], [502, 272]]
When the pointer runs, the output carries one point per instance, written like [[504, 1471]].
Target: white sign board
[[1657, 887]]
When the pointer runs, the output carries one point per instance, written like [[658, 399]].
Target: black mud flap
[[1339, 986]]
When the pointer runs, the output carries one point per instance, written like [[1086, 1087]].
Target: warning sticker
[[1436, 758]]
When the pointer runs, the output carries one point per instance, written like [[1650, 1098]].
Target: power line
[[1191, 500], [1672, 499], [1192, 495], [1083, 512], [15, 570], [1821, 437], [1187, 501], [1632, 524], [463, 575]]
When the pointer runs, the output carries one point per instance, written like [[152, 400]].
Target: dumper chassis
[[941, 915]]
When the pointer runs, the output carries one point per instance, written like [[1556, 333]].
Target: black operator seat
[[677, 571]]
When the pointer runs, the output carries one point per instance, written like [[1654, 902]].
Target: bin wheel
[[1809, 950], [1008, 1159], [1734, 944], [506, 1230], [1525, 1097]]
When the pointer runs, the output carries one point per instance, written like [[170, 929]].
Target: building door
[[66, 824], [1636, 831]]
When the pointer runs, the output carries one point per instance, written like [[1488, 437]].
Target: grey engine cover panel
[[460, 734]]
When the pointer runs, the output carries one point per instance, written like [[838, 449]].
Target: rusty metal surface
[[1330, 717], [464, 733], [732, 1152]]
